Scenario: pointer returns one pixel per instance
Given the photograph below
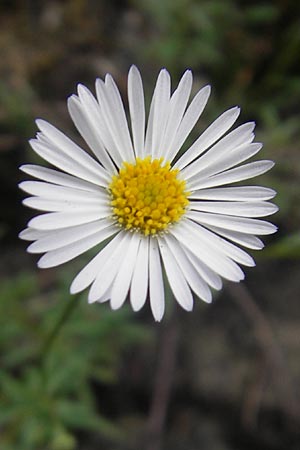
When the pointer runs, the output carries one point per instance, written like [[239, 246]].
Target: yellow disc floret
[[147, 196]]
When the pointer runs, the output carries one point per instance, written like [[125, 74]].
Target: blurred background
[[225, 377]]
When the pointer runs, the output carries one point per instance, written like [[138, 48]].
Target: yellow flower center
[[147, 196]]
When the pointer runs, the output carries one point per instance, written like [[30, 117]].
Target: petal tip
[[158, 314], [158, 319], [23, 167], [274, 228], [21, 185], [31, 250], [40, 123], [22, 234], [42, 264], [189, 307], [91, 300], [74, 289], [236, 110]]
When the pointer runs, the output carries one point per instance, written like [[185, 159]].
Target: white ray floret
[[193, 277], [240, 193], [188, 121], [139, 284], [123, 278], [137, 110], [159, 218], [89, 273], [89, 131]]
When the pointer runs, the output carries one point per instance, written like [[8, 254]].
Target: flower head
[[157, 209]]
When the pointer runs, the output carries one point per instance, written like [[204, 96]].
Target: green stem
[[50, 339]]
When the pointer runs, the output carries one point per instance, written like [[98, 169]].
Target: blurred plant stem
[[273, 360], [54, 333], [164, 376]]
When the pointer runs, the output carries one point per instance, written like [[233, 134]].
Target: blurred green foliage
[[17, 106], [249, 52], [45, 392], [286, 248]]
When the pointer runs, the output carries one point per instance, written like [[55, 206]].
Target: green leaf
[[287, 247]]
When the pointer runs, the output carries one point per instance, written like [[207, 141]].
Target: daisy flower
[[163, 214]]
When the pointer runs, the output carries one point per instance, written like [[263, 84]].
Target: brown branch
[[271, 350], [254, 394], [164, 375]]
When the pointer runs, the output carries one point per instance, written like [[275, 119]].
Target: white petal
[[88, 274], [210, 255], [178, 105], [246, 240], [51, 205], [175, 277], [242, 193], [205, 167], [209, 136], [66, 163], [53, 191], [241, 209], [57, 220], [59, 238], [240, 135], [189, 120], [63, 144], [119, 117], [234, 145], [158, 114], [68, 252], [97, 120], [156, 285], [241, 224], [192, 276], [120, 286], [227, 248], [106, 296], [241, 173], [139, 284], [59, 178], [30, 234], [108, 271], [137, 110], [112, 112], [89, 133], [208, 275]]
